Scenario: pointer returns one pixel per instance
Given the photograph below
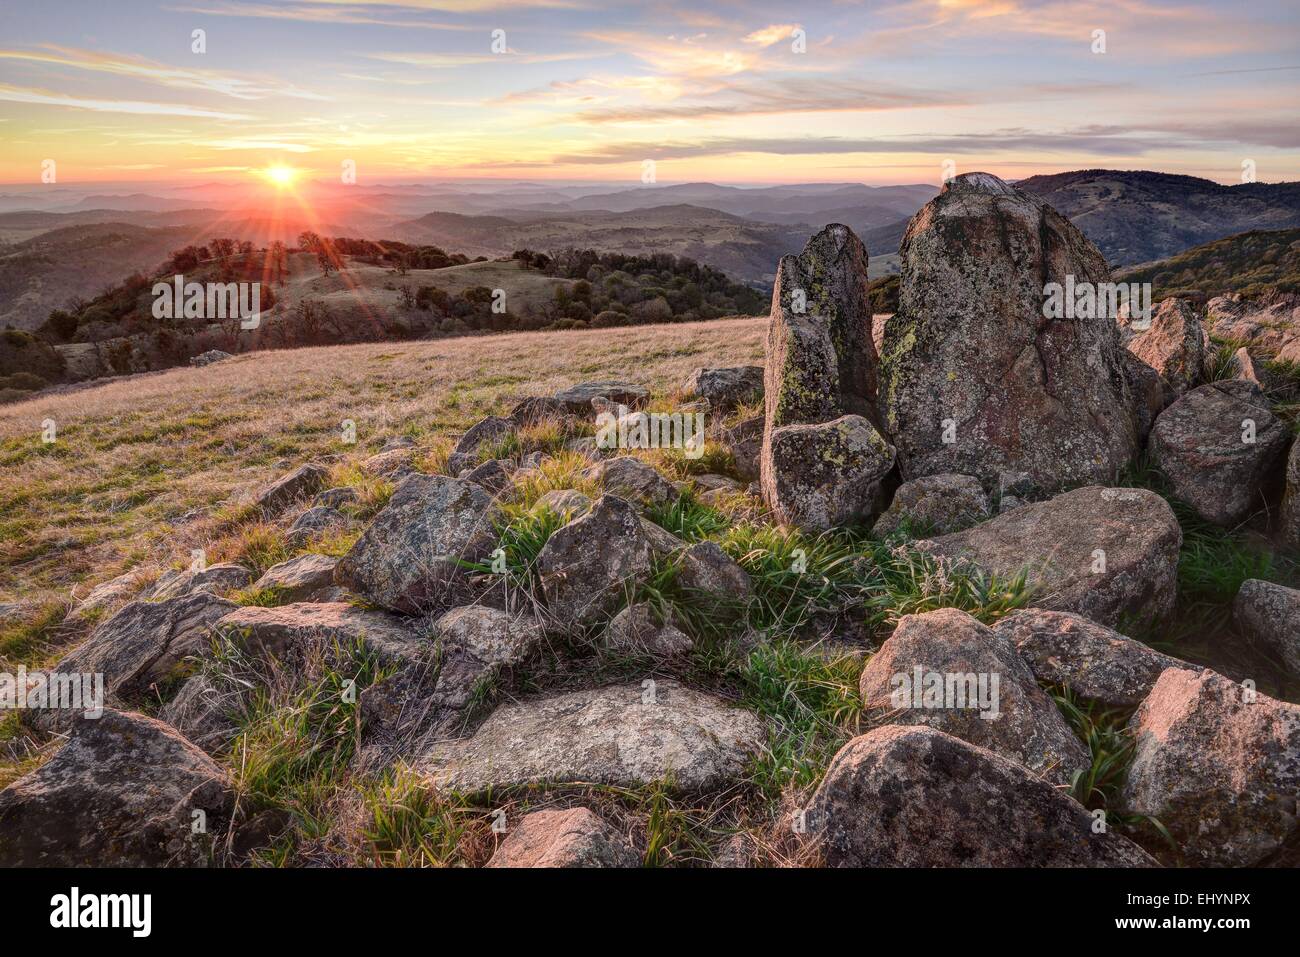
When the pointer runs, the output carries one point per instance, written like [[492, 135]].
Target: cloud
[[256, 144], [46, 98], [450, 60], [769, 35]]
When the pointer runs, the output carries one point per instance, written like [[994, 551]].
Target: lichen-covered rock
[[571, 837], [302, 482], [705, 568], [726, 388], [298, 579], [415, 550], [827, 474], [915, 797], [389, 463], [945, 670], [486, 432], [629, 478], [745, 440], [492, 638], [1093, 661], [1150, 392], [125, 791], [1105, 553], [317, 520], [215, 579], [576, 399], [935, 505], [1220, 448], [1175, 345], [103, 596], [974, 378], [287, 631], [623, 736], [1217, 764], [1289, 523], [203, 713], [1270, 614], [586, 566], [637, 630]]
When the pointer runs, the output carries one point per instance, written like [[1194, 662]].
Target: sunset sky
[[709, 89]]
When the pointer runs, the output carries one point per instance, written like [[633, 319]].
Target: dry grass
[[141, 465]]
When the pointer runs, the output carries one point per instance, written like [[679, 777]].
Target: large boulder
[[621, 736], [1105, 553], [935, 505], [414, 553], [1220, 448], [1218, 764], [1175, 345], [1093, 661], [903, 796], [125, 791], [586, 566], [820, 475], [947, 671], [725, 388], [568, 837], [1270, 614], [974, 378]]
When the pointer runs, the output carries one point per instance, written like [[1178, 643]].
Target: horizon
[[877, 94]]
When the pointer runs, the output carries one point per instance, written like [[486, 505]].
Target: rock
[[935, 504], [706, 568], [576, 400], [621, 736], [629, 478], [945, 670], [1289, 521], [974, 378], [715, 483], [491, 637], [410, 558], [299, 578], [726, 388], [389, 462], [1151, 393], [916, 797], [564, 501], [203, 714], [1216, 765], [586, 565], [103, 596], [637, 630], [1105, 553], [494, 475], [828, 474], [317, 520], [1219, 447], [488, 432], [662, 542], [215, 580], [1176, 345], [1246, 367], [572, 837], [142, 645], [1092, 660], [336, 497], [286, 632], [302, 482], [1270, 615], [535, 409], [584, 445], [746, 443], [123, 792], [209, 357]]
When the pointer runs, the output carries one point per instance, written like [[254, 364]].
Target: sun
[[279, 175]]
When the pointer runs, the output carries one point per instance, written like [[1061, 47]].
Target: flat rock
[[622, 736], [915, 797], [945, 670], [576, 400], [1105, 553], [572, 837], [215, 579], [299, 578], [1093, 661], [1218, 765], [285, 631], [123, 792]]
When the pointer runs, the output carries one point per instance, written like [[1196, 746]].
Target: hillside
[[1137, 216], [1252, 264]]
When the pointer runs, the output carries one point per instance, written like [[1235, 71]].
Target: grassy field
[[135, 456]]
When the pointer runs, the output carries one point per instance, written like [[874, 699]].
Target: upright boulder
[[1175, 345], [974, 377]]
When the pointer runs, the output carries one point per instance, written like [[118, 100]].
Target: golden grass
[[134, 456]]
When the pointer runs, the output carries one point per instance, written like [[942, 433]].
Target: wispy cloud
[[46, 98]]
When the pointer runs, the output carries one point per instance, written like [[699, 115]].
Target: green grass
[[409, 824], [29, 641], [688, 518]]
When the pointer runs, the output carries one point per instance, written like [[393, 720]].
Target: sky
[[707, 90]]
